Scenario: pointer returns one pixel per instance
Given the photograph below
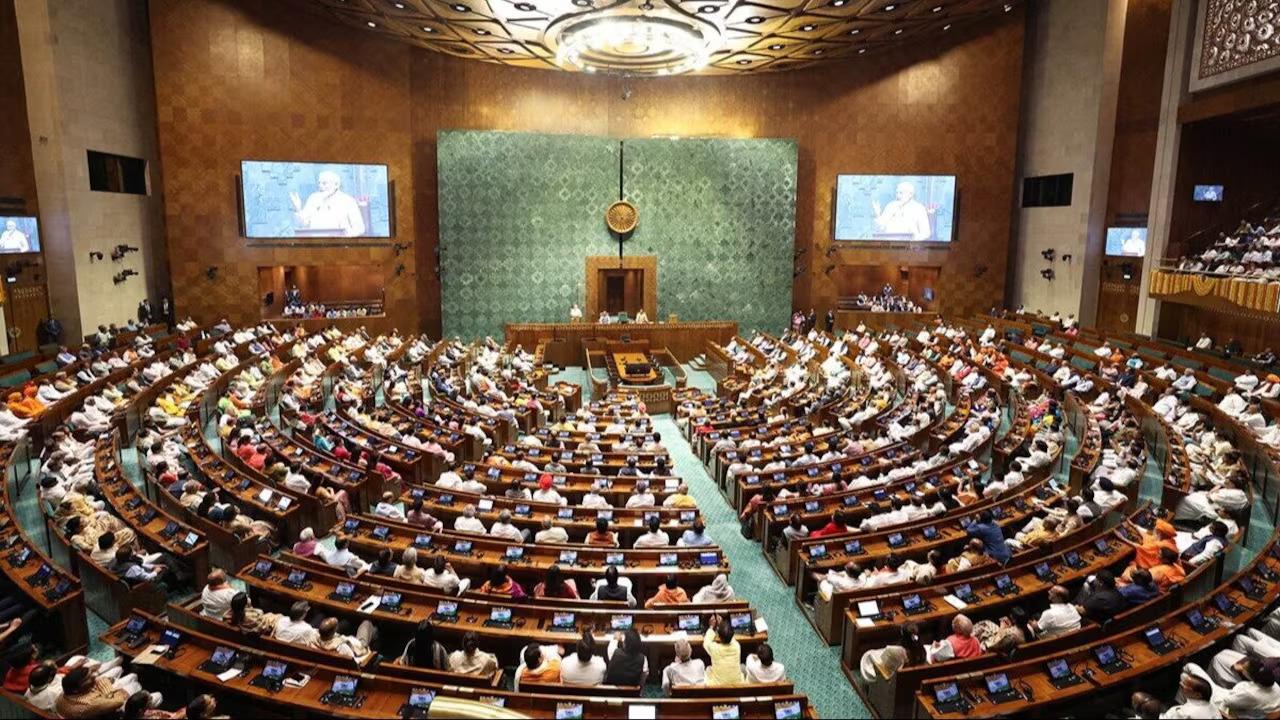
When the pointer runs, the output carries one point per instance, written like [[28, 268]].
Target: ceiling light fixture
[[481, 31], [459, 7], [744, 62], [889, 8], [525, 7], [819, 51], [898, 31], [861, 50], [399, 6], [755, 19], [1007, 8], [428, 28], [582, 3], [947, 26], [372, 24], [855, 31], [938, 9], [707, 9], [807, 28], [775, 47], [838, 3], [636, 44]]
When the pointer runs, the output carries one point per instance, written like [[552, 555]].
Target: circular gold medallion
[[621, 217]]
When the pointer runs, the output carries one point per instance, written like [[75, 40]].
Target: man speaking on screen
[[13, 239], [329, 208], [904, 215]]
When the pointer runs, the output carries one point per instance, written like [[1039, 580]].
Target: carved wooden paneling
[[753, 35], [259, 79]]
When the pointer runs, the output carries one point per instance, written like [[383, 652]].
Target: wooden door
[[25, 307]]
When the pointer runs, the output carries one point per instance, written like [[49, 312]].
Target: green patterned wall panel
[[518, 213], [719, 213]]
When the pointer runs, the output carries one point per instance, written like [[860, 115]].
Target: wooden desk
[[529, 623], [685, 340], [623, 361], [382, 696]]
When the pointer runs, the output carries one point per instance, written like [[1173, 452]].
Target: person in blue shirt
[[1141, 589], [696, 536], [992, 537]]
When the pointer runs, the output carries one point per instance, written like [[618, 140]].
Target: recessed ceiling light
[[861, 50], [855, 31], [582, 3], [481, 31], [505, 51], [838, 3], [372, 24], [1007, 8], [938, 9], [819, 51], [898, 31], [754, 19], [947, 26], [744, 62], [707, 9], [399, 6], [889, 8], [807, 28], [775, 47], [428, 28], [525, 7], [459, 7]]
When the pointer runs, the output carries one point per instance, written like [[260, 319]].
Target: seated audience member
[[1060, 617], [540, 664], [719, 591], [722, 647], [423, 650], [1248, 690], [584, 667], [614, 588], [1100, 600], [358, 647], [470, 659], [761, 667], [685, 670], [668, 594], [555, 585], [294, 628], [501, 583], [627, 663]]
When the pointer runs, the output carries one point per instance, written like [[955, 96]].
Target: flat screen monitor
[[1127, 241], [910, 208], [1207, 193], [19, 234], [301, 200]]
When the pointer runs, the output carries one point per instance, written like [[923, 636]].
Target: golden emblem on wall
[[621, 217]]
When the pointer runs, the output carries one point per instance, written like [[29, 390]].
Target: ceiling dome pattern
[[659, 37]]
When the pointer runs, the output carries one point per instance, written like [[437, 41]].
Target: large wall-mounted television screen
[[299, 200], [19, 234], [1207, 193], [1127, 241], [913, 208]]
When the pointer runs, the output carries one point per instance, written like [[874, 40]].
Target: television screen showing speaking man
[[315, 200], [1127, 241], [19, 234], [913, 208]]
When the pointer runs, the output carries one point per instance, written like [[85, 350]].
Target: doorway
[[621, 290]]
